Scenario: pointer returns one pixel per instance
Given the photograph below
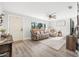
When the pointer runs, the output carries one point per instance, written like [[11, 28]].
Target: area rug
[[55, 42]]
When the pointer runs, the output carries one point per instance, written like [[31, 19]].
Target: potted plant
[[3, 32], [40, 25]]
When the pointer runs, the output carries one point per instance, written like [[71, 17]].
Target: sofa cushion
[[38, 32]]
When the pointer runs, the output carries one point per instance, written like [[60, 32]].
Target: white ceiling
[[41, 9]]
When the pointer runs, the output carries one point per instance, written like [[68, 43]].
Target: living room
[[37, 27]]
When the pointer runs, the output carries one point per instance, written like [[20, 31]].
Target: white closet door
[[16, 27]]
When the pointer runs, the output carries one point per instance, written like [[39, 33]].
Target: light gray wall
[[61, 25], [64, 29], [51, 24], [27, 25]]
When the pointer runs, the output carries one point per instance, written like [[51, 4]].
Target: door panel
[[15, 27]]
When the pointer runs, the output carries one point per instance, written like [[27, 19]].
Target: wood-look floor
[[29, 48]]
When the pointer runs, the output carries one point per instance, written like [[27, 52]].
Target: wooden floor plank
[[29, 48]]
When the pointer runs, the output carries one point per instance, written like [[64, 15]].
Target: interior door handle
[[21, 29]]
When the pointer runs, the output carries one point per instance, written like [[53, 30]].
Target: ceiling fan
[[52, 15]]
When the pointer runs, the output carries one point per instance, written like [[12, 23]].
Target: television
[[71, 27]]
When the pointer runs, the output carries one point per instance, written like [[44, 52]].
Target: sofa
[[53, 33], [39, 34]]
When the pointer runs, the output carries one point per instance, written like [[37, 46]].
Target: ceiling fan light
[[70, 7], [50, 16]]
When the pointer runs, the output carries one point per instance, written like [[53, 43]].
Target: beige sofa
[[53, 33], [39, 34]]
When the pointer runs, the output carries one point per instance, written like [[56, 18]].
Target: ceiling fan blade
[[54, 16], [51, 15], [54, 13]]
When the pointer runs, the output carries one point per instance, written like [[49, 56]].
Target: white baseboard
[[26, 38], [17, 40], [22, 39]]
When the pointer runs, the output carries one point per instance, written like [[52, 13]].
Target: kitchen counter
[[6, 40], [6, 46]]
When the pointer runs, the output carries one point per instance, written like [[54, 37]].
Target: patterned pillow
[[42, 32], [38, 32]]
